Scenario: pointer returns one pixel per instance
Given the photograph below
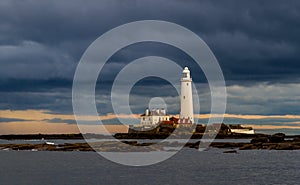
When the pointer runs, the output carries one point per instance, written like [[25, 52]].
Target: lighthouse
[[186, 98]]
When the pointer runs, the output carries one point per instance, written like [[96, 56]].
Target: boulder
[[296, 139], [230, 151], [247, 147], [260, 140], [284, 146], [276, 138]]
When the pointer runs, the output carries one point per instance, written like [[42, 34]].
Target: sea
[[187, 167]]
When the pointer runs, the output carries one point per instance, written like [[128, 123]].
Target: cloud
[[32, 60], [256, 43], [274, 127], [42, 121], [6, 120], [240, 33], [46, 115], [35, 127], [281, 99], [277, 99]]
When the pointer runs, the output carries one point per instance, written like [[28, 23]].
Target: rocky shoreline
[[262, 142]]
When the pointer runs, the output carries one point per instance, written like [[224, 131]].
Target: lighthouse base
[[185, 121]]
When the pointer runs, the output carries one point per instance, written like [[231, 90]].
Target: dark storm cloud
[[33, 85], [41, 43], [5, 120], [243, 34], [114, 121], [58, 120], [60, 101]]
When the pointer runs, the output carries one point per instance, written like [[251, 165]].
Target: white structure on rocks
[[186, 99], [154, 116]]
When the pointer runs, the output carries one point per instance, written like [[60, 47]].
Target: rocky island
[[258, 142]]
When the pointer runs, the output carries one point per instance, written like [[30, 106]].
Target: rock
[[260, 140], [279, 134], [276, 138], [230, 151], [193, 145], [247, 147], [269, 146], [296, 139], [284, 146], [296, 147], [134, 143]]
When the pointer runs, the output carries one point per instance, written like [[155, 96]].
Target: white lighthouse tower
[[186, 98]]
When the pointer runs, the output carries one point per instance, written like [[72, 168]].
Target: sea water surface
[[188, 166]]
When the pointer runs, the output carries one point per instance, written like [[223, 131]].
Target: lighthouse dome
[[186, 74], [186, 70]]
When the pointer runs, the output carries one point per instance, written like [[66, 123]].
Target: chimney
[[163, 111], [152, 111]]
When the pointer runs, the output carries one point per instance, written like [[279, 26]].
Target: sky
[[41, 42]]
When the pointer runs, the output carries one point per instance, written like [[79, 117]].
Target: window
[[183, 97], [187, 84]]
